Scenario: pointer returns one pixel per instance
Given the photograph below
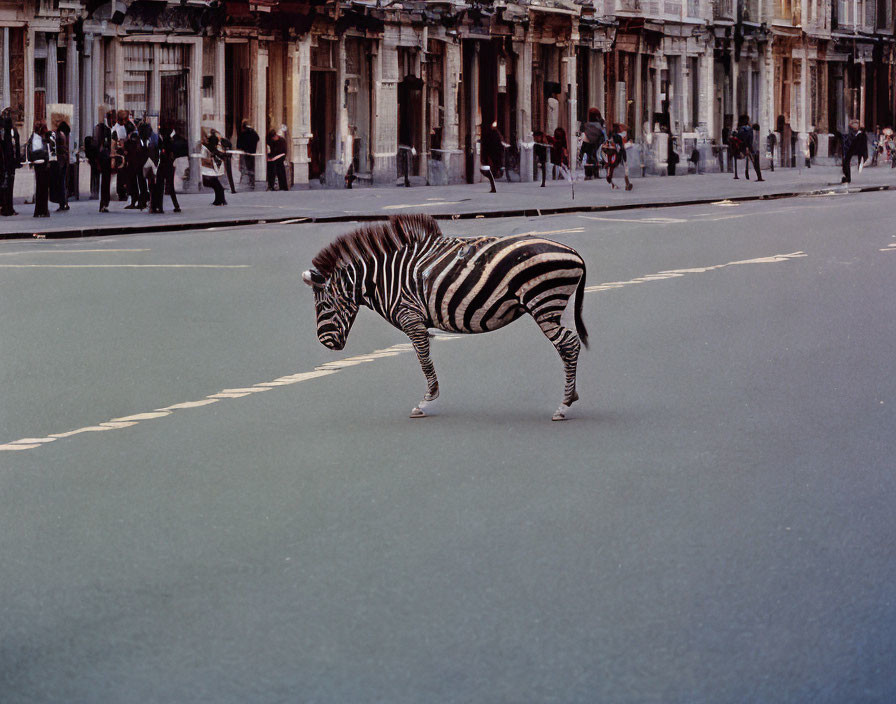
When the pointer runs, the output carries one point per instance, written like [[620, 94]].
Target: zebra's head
[[335, 308]]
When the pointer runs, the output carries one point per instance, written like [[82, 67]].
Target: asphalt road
[[713, 524]]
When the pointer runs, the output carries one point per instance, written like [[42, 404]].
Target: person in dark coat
[[492, 155], [855, 143], [559, 153], [37, 151], [164, 182], [59, 167], [102, 151], [135, 156], [11, 161], [276, 161], [247, 142], [226, 147]]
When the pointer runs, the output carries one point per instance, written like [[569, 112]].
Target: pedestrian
[[164, 182], [614, 154], [134, 159], [226, 146], [59, 166], [37, 152], [12, 160], [276, 161], [854, 144], [213, 169], [559, 153], [492, 155], [247, 143], [594, 137], [120, 131], [149, 166], [102, 140]]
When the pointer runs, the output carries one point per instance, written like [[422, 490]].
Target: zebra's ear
[[313, 277]]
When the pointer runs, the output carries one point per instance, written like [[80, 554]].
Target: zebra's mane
[[368, 242]]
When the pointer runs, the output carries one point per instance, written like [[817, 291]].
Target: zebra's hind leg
[[419, 336], [568, 345]]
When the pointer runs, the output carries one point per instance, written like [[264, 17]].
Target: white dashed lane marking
[[336, 366], [676, 273]]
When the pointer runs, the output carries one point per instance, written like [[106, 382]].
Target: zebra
[[417, 278]]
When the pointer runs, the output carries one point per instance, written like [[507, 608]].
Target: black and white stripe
[[417, 279]]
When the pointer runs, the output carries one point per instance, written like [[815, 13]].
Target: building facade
[[383, 88]]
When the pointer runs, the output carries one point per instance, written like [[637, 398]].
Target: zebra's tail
[[580, 326]]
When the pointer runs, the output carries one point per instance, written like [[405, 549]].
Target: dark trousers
[[277, 170], [94, 181], [41, 189], [105, 181], [214, 183], [859, 148], [164, 183], [6, 197], [228, 168], [121, 182], [137, 188]]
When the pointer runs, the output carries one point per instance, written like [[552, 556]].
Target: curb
[[373, 217]]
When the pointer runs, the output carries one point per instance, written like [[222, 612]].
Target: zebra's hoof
[[560, 413], [417, 413]]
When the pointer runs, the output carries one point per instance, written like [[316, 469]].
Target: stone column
[[73, 78], [452, 154], [258, 57], [194, 112], [524, 108], [154, 100], [87, 112], [636, 129], [706, 68], [571, 85], [474, 115], [343, 148], [7, 94], [300, 124], [52, 73], [385, 121], [220, 79]]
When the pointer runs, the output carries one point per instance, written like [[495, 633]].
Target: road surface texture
[[200, 503]]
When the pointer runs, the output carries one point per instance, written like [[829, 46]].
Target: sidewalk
[[443, 202]]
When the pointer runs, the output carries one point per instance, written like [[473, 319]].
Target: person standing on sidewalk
[[492, 155], [120, 131], [212, 169], [276, 161], [37, 152], [102, 140], [247, 142], [165, 174], [12, 160], [594, 138], [59, 168]]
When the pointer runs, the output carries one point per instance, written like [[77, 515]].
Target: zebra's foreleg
[[567, 344], [419, 337]]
